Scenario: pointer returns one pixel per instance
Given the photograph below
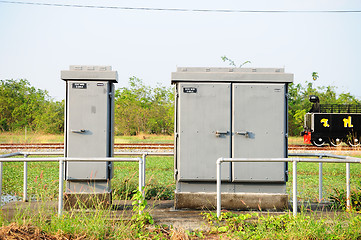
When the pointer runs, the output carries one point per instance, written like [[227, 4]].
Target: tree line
[[138, 108]]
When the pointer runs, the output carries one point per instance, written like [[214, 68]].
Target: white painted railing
[[142, 169], [334, 159], [61, 160]]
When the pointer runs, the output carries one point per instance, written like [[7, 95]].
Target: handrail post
[[144, 158], [25, 185], [61, 182], [141, 163], [320, 180], [140, 185], [219, 181], [294, 187], [348, 190]]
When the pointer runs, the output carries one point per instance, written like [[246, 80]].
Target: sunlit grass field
[[33, 137], [160, 184], [160, 181]]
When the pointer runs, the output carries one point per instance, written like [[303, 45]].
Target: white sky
[[37, 42]]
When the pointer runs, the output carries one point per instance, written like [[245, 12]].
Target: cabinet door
[[87, 133], [203, 109], [259, 126]]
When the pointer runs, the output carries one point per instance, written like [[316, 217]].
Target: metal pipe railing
[[62, 160], [336, 159], [320, 167]]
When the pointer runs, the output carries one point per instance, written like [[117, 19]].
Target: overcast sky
[[37, 42]]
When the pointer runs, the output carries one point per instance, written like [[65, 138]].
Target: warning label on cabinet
[[79, 85], [190, 90]]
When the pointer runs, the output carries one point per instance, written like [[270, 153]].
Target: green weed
[[339, 197], [285, 226]]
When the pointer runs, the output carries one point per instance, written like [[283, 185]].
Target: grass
[[295, 140], [34, 137], [285, 226], [30, 137], [334, 177], [160, 184], [145, 138], [80, 224], [43, 179], [43, 185], [100, 224]]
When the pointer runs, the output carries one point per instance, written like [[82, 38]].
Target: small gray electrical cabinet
[[89, 123], [229, 112]]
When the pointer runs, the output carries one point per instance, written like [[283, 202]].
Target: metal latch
[[243, 133], [78, 131], [218, 133]]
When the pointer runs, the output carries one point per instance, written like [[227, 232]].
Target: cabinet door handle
[[243, 133], [78, 131], [218, 133]]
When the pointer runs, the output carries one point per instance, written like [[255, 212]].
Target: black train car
[[332, 124]]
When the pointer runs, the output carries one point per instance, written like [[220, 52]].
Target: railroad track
[[325, 148], [154, 146], [60, 146]]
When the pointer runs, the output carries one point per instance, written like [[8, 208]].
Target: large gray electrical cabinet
[[230, 112], [89, 121]]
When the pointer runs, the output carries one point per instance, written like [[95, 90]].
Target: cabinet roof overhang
[[249, 75], [89, 73]]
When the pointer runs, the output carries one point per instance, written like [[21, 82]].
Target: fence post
[[144, 158], [294, 187], [61, 182], [219, 194], [25, 185], [320, 180], [348, 190], [141, 168], [140, 184]]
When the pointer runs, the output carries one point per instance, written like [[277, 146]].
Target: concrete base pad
[[87, 200], [234, 201]]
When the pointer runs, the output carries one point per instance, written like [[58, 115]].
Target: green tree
[[51, 120], [162, 110], [140, 108], [23, 105]]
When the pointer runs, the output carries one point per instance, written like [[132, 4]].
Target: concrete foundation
[[87, 200], [234, 201]]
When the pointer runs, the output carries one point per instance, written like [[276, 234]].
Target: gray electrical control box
[[230, 112], [89, 123]]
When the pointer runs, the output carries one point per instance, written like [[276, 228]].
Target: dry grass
[[295, 140], [14, 231], [34, 137], [31, 137], [143, 137]]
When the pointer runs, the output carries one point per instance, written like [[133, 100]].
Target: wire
[[179, 9]]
